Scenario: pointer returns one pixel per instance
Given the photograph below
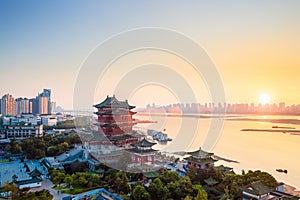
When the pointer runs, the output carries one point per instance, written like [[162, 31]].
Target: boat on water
[[282, 170], [159, 136]]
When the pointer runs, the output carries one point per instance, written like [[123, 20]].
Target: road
[[47, 185]]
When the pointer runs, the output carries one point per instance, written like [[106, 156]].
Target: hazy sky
[[255, 44]]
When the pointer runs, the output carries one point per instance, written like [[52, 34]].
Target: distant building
[[22, 106], [21, 131], [8, 105], [53, 107], [47, 93], [43, 105], [29, 119], [49, 120], [33, 106]]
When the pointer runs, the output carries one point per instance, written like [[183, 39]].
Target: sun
[[264, 98]]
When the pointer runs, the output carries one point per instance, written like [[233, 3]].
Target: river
[[254, 150]]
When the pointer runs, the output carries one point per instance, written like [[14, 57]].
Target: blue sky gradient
[[43, 43]]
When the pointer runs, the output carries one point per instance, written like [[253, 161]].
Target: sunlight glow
[[264, 98]]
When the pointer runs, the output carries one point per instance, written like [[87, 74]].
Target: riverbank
[[279, 121], [272, 130], [291, 190]]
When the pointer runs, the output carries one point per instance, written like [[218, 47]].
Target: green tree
[[63, 147], [258, 175], [52, 151], [35, 148], [188, 197], [202, 195], [93, 179], [169, 176], [82, 181], [140, 193], [175, 190], [227, 195], [193, 174], [14, 147], [57, 177], [43, 194], [78, 167], [68, 180], [11, 188], [73, 139], [165, 193], [6, 187], [157, 189], [235, 190], [214, 173], [120, 182], [186, 186]]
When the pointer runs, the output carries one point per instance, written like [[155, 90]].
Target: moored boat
[[282, 170]]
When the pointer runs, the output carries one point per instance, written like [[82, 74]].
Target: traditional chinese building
[[115, 121], [143, 152], [35, 181], [200, 159], [256, 190]]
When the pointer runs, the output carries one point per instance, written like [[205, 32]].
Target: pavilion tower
[[115, 121], [200, 159]]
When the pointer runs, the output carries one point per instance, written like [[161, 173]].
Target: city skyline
[[41, 104], [253, 44], [25, 104]]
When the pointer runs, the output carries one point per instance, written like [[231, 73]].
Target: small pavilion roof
[[144, 143], [113, 102], [211, 181], [151, 174], [200, 153], [35, 173]]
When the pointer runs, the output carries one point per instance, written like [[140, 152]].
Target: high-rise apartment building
[[47, 93], [34, 105], [43, 102], [8, 105], [43, 105], [22, 106]]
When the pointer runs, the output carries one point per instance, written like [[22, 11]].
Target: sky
[[254, 45]]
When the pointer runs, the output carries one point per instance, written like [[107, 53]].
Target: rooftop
[[200, 161], [144, 143], [200, 153], [18, 168], [257, 188], [113, 102]]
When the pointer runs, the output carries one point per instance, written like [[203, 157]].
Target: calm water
[[265, 151]]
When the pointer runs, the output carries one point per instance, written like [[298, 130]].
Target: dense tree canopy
[[140, 193]]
